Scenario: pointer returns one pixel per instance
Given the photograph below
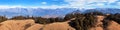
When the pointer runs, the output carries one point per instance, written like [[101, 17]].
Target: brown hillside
[[30, 24], [16, 24], [35, 27], [113, 26], [58, 26]]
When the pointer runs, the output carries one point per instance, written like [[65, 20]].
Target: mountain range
[[59, 12], [10, 12]]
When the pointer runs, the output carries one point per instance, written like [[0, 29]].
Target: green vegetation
[[114, 17], [18, 18], [83, 22], [2, 18]]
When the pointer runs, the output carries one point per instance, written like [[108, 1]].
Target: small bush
[[2, 18], [18, 18], [40, 20], [114, 17], [83, 22], [105, 24]]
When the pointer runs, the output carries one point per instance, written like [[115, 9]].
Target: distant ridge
[[10, 12], [104, 10]]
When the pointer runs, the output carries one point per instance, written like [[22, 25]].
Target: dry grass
[[35, 27], [113, 26], [16, 24], [30, 24], [58, 26]]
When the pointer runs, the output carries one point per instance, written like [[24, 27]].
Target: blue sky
[[61, 3]]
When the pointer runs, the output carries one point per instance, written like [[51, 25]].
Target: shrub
[[83, 22], [40, 20], [2, 18], [58, 19], [105, 24], [94, 13], [72, 15], [18, 18], [114, 17]]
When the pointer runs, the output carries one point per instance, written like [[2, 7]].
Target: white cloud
[[75, 2], [52, 7], [43, 2], [85, 3], [7, 6], [111, 1], [57, 6], [16, 6], [118, 3], [71, 4]]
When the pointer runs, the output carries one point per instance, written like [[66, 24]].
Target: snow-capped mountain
[[10, 12], [104, 10]]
